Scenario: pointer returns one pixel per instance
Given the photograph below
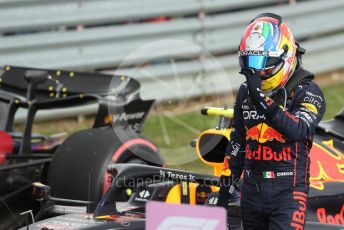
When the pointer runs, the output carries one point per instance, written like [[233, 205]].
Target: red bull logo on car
[[263, 133], [327, 165], [325, 218]]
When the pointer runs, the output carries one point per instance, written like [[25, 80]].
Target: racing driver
[[275, 115]]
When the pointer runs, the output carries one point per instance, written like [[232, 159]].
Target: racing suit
[[272, 149]]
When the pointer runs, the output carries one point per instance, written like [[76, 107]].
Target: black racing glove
[[263, 103]]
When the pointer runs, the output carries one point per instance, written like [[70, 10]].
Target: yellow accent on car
[[129, 191], [329, 143], [105, 217], [226, 172], [217, 167], [174, 195], [216, 111], [185, 188]]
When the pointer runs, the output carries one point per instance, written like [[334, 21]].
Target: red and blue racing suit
[[272, 150]]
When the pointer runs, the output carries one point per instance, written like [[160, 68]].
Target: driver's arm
[[301, 121]]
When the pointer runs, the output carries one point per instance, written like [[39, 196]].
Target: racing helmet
[[269, 48]]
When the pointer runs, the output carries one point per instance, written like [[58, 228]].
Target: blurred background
[[184, 53]]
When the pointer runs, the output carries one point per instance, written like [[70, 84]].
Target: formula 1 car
[[147, 183], [59, 160]]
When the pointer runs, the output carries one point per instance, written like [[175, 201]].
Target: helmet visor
[[265, 65]]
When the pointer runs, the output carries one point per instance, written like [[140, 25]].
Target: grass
[[334, 97], [173, 133]]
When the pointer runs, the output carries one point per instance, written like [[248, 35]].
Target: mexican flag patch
[[269, 174]]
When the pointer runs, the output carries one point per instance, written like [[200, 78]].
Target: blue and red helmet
[[269, 48]]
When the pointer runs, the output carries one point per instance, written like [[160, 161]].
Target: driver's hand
[[263, 103], [254, 81]]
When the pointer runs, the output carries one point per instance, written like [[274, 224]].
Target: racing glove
[[263, 103], [228, 183]]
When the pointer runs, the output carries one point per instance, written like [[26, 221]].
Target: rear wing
[[55, 84], [36, 89]]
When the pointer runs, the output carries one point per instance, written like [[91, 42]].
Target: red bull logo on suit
[[263, 133], [266, 153]]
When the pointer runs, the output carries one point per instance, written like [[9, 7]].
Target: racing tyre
[[78, 169]]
